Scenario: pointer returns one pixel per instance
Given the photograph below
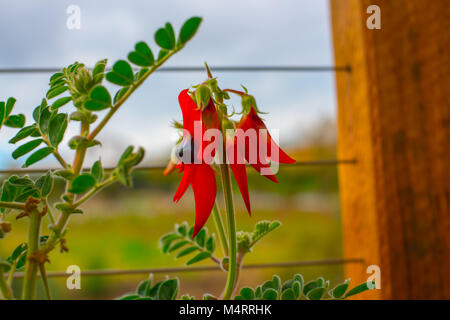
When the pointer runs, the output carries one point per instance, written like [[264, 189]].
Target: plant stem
[[220, 228], [91, 193], [12, 205], [232, 268], [4, 287], [45, 280], [11, 273], [29, 281]]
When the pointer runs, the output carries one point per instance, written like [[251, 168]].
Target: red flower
[[238, 148], [197, 172]]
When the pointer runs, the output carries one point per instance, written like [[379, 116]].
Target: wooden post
[[394, 118]]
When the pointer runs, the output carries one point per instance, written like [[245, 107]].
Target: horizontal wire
[[117, 272], [202, 69], [331, 162]]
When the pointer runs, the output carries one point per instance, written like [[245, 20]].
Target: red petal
[[280, 156], [205, 188], [240, 174], [189, 111], [188, 175], [245, 124]]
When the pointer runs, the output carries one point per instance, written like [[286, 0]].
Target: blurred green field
[[120, 230]]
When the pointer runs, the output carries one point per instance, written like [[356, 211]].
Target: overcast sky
[[284, 32]]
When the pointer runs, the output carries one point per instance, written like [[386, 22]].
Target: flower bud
[[5, 227], [212, 84], [224, 263], [248, 101], [202, 96]]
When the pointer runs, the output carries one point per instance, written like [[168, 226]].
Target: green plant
[[84, 89]]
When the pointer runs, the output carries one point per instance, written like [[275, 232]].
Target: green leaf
[[82, 183], [182, 229], [15, 121], [276, 282], [162, 39], [200, 238], [199, 257], [357, 290], [162, 53], [65, 174], [258, 292], [25, 148], [288, 294], [171, 34], [98, 73], [18, 251], [53, 92], [142, 56], [27, 192], [211, 244], [316, 294], [247, 293], [45, 184], [189, 29], [56, 76], [99, 99], [60, 102], [177, 246], [267, 285], [56, 129], [2, 113], [309, 286], [297, 288], [38, 156], [20, 181], [130, 297], [339, 290], [298, 277], [144, 287], [97, 171], [121, 74], [44, 119], [186, 251], [23, 133], [270, 294], [9, 106], [119, 94], [8, 192], [168, 290]]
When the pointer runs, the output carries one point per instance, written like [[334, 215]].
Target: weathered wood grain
[[394, 117]]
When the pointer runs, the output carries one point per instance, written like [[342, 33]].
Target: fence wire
[[117, 272], [294, 68]]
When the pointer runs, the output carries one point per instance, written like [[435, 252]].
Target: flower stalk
[[5, 289], [32, 265], [228, 195], [220, 228]]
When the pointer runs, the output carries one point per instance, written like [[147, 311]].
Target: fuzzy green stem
[[4, 288], [232, 268], [45, 280], [29, 281], [12, 205], [11, 273], [220, 228], [91, 193]]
